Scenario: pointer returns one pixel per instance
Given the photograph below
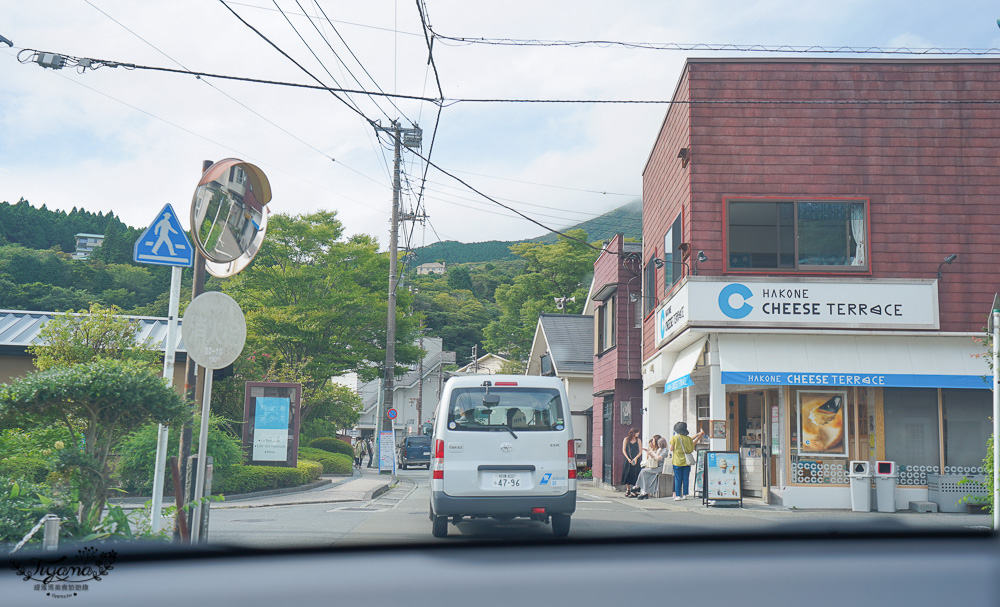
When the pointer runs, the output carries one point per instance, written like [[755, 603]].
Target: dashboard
[[810, 566]]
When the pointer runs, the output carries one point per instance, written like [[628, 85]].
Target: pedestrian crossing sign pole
[[164, 243]]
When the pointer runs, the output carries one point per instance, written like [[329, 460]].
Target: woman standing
[[630, 469], [681, 444]]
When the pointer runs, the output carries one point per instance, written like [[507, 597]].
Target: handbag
[[691, 458]]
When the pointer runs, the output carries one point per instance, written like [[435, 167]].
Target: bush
[[247, 479], [333, 463], [333, 445], [138, 452], [22, 504], [315, 428], [32, 442], [23, 468]]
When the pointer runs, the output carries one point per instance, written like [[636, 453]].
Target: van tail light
[[437, 466], [571, 461]]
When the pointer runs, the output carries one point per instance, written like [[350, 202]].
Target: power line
[[549, 185], [374, 27], [727, 47], [97, 63]]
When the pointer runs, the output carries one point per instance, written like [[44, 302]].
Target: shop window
[[649, 287], [819, 426], [911, 432], [672, 255], [812, 236], [606, 333], [704, 413], [966, 429]]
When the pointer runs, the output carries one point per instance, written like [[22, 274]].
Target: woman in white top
[[656, 454]]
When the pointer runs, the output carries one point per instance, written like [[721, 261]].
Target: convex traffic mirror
[[228, 220]]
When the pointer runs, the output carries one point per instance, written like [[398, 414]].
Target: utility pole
[[420, 384], [475, 358], [409, 138]]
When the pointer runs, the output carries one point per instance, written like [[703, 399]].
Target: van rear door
[[506, 441]]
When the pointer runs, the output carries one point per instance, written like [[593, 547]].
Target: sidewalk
[[753, 507], [366, 484]]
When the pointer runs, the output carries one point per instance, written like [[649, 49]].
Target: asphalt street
[[399, 515]]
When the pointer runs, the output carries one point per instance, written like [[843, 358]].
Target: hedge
[[333, 463], [24, 468], [333, 445], [247, 479]]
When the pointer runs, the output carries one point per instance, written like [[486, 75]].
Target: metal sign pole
[[168, 375], [199, 482]]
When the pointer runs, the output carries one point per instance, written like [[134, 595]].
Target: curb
[[169, 499]]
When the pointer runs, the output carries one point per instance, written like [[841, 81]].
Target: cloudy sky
[[129, 141]]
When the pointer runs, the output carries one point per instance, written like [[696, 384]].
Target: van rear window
[[496, 408]]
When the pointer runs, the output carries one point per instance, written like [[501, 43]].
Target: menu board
[[722, 476]]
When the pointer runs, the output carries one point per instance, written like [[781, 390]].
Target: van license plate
[[507, 480]]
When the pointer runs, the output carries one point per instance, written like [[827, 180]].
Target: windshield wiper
[[507, 428]]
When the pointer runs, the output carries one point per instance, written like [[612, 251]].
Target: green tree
[[99, 403], [318, 301], [84, 336], [559, 270]]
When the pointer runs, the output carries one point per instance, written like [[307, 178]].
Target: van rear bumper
[[443, 504]]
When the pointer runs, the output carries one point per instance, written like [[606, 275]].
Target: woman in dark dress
[[631, 468]]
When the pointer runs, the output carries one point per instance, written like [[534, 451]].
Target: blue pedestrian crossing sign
[[164, 242]]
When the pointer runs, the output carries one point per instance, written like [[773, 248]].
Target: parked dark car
[[415, 451]]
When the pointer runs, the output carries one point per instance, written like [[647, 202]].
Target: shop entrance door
[[745, 433], [607, 438]]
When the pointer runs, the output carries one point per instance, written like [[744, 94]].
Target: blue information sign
[[164, 242]]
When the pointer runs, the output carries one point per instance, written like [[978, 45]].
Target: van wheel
[[560, 525], [440, 526]]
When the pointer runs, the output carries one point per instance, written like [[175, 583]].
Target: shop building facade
[[846, 211], [617, 387]]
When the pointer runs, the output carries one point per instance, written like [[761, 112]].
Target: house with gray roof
[[21, 328], [563, 347]]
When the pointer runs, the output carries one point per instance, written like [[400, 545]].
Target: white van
[[503, 448]]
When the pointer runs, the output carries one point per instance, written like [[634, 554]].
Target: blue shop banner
[[883, 380]]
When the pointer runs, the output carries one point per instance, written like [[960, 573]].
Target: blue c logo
[[735, 289]]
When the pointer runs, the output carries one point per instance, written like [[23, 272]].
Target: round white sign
[[214, 330]]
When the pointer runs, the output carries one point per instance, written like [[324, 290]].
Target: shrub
[[31, 442], [333, 445], [333, 463], [22, 504], [138, 452], [24, 468], [247, 479]]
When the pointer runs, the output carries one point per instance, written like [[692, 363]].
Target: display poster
[[722, 476], [719, 428], [387, 451], [821, 424], [699, 473], [271, 423], [270, 438]]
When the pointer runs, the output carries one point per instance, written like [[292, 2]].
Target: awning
[[680, 374], [931, 361]]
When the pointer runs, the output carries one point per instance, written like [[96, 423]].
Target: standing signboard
[[699, 473], [271, 423], [387, 451], [723, 477]]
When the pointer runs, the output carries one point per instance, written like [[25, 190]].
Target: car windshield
[[337, 275], [529, 409]]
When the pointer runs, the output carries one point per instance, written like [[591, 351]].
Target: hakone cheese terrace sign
[[828, 304]]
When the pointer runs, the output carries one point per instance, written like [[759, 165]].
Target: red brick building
[[617, 355], [826, 196]]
